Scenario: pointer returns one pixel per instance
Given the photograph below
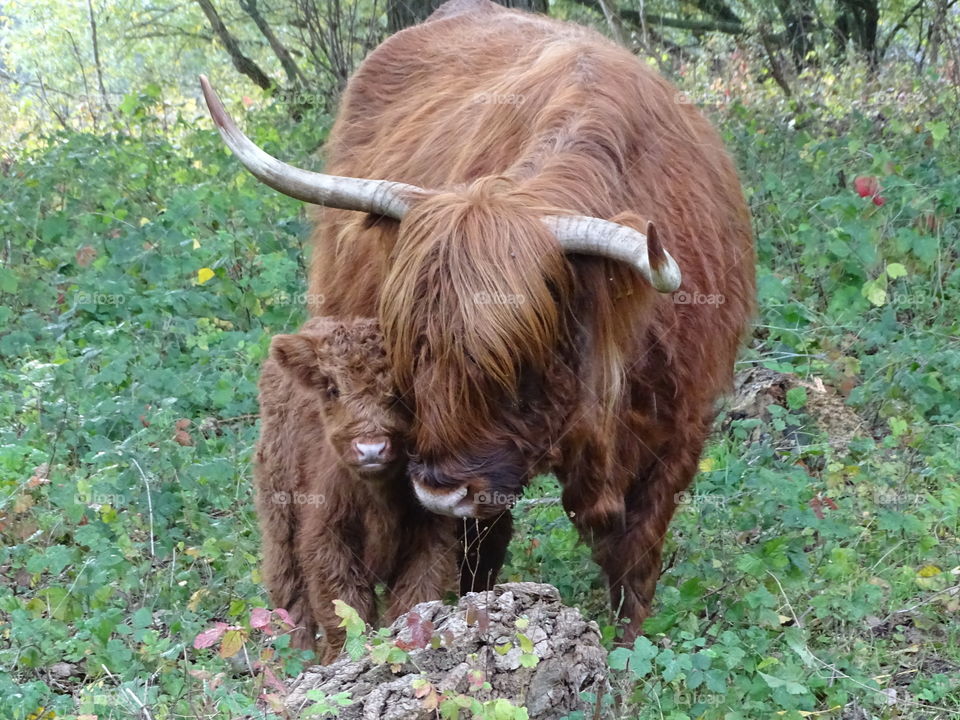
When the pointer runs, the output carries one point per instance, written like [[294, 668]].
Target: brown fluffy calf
[[336, 510]]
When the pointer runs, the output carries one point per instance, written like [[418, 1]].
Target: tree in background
[[72, 64]]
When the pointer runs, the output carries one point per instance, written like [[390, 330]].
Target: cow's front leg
[[626, 533]]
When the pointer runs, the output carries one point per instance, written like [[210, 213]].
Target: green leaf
[[875, 291], [529, 660], [526, 645], [939, 131], [791, 687], [796, 398], [896, 270], [349, 619]]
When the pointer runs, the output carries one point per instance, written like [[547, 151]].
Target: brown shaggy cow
[[540, 191], [335, 506]]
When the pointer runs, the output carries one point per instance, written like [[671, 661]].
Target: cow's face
[[344, 367], [472, 312]]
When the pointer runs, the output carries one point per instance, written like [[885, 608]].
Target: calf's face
[[342, 367]]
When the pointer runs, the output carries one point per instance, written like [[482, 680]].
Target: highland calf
[[517, 200], [335, 506]]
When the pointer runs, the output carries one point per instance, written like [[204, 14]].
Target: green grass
[[121, 543]]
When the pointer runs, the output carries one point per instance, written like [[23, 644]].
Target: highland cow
[[546, 214], [335, 506]]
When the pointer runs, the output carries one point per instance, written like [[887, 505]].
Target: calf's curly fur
[[335, 507]]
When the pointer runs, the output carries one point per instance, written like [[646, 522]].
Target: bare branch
[[96, 55], [241, 62]]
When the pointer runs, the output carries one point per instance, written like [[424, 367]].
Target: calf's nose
[[372, 449]]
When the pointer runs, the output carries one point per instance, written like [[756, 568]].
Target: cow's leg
[[483, 548], [627, 541]]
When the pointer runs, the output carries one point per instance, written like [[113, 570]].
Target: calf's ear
[[297, 355]]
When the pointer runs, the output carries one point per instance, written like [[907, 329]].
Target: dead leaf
[[22, 504], [232, 642], [86, 255], [62, 669]]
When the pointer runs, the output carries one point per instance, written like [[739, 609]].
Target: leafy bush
[[144, 273]]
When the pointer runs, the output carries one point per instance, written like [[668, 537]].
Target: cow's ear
[[298, 356]]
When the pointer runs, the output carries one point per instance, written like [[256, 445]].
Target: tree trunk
[[799, 19], [294, 76], [453, 651], [858, 20], [241, 62], [96, 55], [404, 13]]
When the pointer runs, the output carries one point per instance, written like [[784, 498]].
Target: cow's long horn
[[380, 197], [593, 236]]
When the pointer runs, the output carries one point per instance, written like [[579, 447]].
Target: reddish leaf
[[285, 617], [432, 701], [483, 620], [866, 186], [259, 618], [817, 507], [420, 630], [183, 438], [476, 678], [86, 255], [209, 637], [273, 701], [273, 681]]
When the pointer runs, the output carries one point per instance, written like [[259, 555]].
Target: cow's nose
[[372, 450]]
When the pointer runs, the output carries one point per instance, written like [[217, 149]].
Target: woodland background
[[811, 572]]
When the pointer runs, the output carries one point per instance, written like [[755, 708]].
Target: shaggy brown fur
[[514, 358], [334, 502]]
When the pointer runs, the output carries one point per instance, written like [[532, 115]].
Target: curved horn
[[380, 197], [643, 252]]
